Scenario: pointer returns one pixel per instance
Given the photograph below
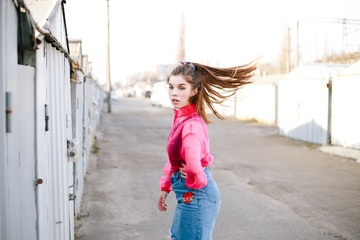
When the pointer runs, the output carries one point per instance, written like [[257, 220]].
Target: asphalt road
[[272, 187]]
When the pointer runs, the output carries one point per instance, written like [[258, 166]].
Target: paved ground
[[273, 188]]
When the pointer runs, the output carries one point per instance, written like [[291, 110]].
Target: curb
[[342, 152]]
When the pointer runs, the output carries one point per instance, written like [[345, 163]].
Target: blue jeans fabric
[[196, 209]]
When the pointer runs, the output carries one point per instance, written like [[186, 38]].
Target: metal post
[[329, 86], [108, 80]]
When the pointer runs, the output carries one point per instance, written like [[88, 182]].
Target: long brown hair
[[214, 84]]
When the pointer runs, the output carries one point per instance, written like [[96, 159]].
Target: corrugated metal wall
[[303, 109], [304, 100], [227, 108], [3, 167], [77, 111], [92, 98], [257, 102], [42, 166], [18, 206], [58, 72], [87, 116], [299, 104], [36, 176], [55, 213], [345, 124]]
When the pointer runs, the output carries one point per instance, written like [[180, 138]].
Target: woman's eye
[[181, 88], [170, 87]]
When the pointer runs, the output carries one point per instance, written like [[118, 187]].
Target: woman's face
[[180, 91]]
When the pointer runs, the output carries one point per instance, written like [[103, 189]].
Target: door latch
[[8, 112], [46, 118]]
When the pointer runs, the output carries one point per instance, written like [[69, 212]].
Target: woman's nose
[[173, 92]]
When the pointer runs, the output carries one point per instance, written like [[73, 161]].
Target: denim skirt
[[196, 209]]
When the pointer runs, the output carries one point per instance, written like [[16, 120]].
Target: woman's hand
[[161, 201], [183, 174]]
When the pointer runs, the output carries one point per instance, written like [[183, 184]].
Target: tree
[[181, 46]]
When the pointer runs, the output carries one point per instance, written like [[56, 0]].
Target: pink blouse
[[188, 143]]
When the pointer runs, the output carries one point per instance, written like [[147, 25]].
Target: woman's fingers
[[183, 174], [162, 206]]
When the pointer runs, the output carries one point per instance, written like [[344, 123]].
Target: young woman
[[192, 88]]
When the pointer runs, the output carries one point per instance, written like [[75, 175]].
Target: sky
[[145, 33]]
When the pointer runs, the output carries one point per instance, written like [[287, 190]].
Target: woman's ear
[[193, 92]]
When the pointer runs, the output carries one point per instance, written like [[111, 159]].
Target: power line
[[349, 27]]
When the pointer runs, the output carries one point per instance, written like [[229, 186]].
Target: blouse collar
[[185, 111]]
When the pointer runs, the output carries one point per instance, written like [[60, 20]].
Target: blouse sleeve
[[192, 147], [165, 181]]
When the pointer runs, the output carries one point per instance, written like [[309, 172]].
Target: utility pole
[[108, 80], [344, 33], [288, 51], [297, 45]]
